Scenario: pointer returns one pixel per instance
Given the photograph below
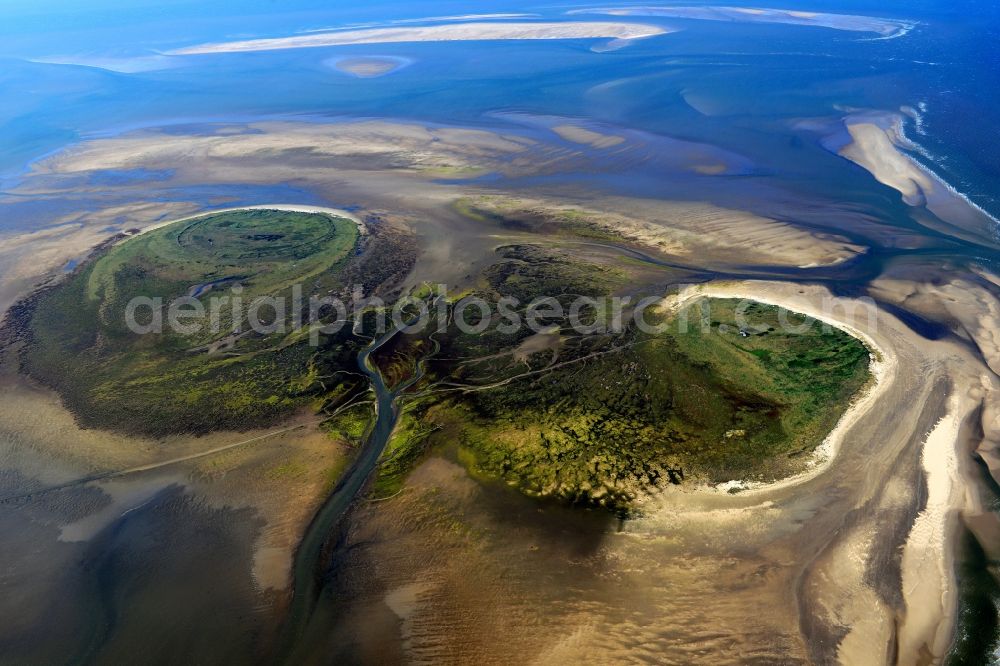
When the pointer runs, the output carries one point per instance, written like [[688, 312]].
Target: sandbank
[[878, 144], [587, 137], [335, 212], [368, 67], [438, 33], [928, 559], [886, 28]]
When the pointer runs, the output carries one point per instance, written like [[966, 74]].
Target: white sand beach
[[886, 28], [335, 212], [878, 144], [439, 33], [857, 318]]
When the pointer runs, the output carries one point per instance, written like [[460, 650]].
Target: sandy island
[[137, 469], [368, 67], [618, 32], [886, 28], [878, 144], [842, 577], [818, 558]]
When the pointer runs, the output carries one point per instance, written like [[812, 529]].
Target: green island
[[707, 405], [601, 419], [212, 376], [596, 418]]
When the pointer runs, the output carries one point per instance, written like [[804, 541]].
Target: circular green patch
[[257, 234], [209, 373], [266, 250]]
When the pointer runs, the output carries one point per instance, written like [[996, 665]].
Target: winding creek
[[307, 571]]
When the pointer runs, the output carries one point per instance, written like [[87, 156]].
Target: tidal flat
[[413, 564]]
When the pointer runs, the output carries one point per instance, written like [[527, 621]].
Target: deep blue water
[[755, 81], [755, 75]]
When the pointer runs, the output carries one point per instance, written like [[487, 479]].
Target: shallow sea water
[[169, 578]]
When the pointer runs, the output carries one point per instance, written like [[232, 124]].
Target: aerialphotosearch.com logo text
[[585, 315]]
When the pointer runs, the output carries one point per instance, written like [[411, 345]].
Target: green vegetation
[[707, 405], [409, 441], [352, 423], [599, 419], [595, 418], [264, 251], [218, 374], [516, 215], [526, 272]]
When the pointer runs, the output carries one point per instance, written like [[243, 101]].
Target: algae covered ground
[[597, 416], [603, 420], [212, 372], [723, 390]]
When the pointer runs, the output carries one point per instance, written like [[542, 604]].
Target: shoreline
[[927, 614], [882, 368], [910, 144], [620, 33], [928, 555], [292, 208], [878, 144]]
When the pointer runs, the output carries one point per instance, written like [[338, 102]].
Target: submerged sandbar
[[619, 32]]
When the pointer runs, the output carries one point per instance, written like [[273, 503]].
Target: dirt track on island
[[814, 570]]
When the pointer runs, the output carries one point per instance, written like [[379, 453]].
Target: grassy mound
[[707, 404], [740, 392], [214, 374]]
